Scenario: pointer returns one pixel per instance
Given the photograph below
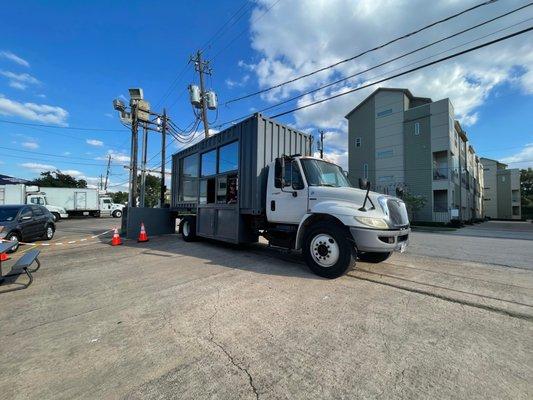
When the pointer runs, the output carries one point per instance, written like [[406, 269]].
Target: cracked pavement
[[174, 320]]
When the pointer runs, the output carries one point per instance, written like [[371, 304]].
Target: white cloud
[[522, 159], [108, 115], [73, 172], [347, 27], [94, 142], [230, 83], [40, 95], [30, 145], [24, 77], [37, 167], [34, 112], [17, 85], [67, 153], [116, 156], [13, 57]]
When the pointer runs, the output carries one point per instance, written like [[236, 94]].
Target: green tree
[[119, 197], [58, 179], [413, 203], [526, 191], [153, 190]]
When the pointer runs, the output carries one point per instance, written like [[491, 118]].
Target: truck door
[[80, 200], [288, 206], [105, 206]]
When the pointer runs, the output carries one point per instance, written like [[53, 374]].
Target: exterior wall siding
[[361, 125]]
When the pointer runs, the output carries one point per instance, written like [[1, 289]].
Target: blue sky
[[62, 63]]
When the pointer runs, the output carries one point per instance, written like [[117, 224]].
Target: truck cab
[[312, 206], [40, 199], [108, 208]]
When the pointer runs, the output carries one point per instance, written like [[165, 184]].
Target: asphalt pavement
[[173, 320]]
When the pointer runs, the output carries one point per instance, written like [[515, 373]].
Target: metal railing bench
[[22, 266]]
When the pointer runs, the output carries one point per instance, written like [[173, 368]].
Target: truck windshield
[[322, 173], [8, 213]]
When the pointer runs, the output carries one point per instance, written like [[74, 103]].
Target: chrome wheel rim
[[49, 232], [16, 240], [186, 228], [325, 250]]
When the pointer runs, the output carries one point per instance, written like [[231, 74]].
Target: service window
[[228, 157], [188, 179], [207, 191], [209, 163], [227, 189]]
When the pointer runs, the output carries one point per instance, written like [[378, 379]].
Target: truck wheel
[[327, 251], [188, 229], [56, 216], [373, 258], [117, 214]]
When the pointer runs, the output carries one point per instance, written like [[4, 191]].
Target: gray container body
[[261, 140]]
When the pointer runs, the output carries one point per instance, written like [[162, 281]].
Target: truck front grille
[[397, 213]]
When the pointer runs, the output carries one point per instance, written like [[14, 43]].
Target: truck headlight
[[373, 222]]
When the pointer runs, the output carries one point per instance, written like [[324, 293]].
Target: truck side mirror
[[279, 173], [363, 183]]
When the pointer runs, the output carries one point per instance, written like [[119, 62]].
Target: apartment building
[[399, 140], [502, 190]]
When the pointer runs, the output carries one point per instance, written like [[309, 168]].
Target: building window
[[385, 153], [188, 178], [384, 113], [365, 171], [357, 142], [209, 163], [228, 157], [440, 200], [417, 128]]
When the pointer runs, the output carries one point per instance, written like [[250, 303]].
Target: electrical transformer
[[194, 95], [211, 99]]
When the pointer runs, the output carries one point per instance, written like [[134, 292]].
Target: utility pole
[[107, 172], [132, 200], [321, 143], [202, 67], [143, 165], [101, 182], [163, 157]]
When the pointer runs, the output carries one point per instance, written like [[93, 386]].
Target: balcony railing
[[440, 206], [440, 173]]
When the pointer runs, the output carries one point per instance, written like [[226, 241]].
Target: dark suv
[[23, 223]]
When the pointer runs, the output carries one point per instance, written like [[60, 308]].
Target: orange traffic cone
[[116, 241], [4, 257], [143, 237]]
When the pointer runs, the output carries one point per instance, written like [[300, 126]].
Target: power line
[[62, 127], [47, 154], [246, 29], [55, 161], [362, 53], [218, 33], [402, 56], [405, 72]]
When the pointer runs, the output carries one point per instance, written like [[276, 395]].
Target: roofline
[[405, 91]]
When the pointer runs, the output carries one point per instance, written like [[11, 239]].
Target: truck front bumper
[[380, 241]]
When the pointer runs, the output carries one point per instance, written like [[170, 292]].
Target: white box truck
[[258, 178], [62, 202]]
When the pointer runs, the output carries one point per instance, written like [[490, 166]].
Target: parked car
[[24, 223]]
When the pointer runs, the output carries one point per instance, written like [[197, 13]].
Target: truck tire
[[117, 214], [327, 250], [56, 216], [188, 228], [373, 258]]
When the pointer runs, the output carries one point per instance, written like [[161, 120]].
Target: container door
[[80, 200]]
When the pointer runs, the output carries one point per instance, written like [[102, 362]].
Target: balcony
[[440, 174]]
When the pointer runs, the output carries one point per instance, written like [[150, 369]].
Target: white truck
[[22, 194], [62, 202], [239, 185]]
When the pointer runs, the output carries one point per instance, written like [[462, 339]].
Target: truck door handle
[[272, 205]]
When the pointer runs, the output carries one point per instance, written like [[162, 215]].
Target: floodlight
[[136, 93], [118, 105]]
